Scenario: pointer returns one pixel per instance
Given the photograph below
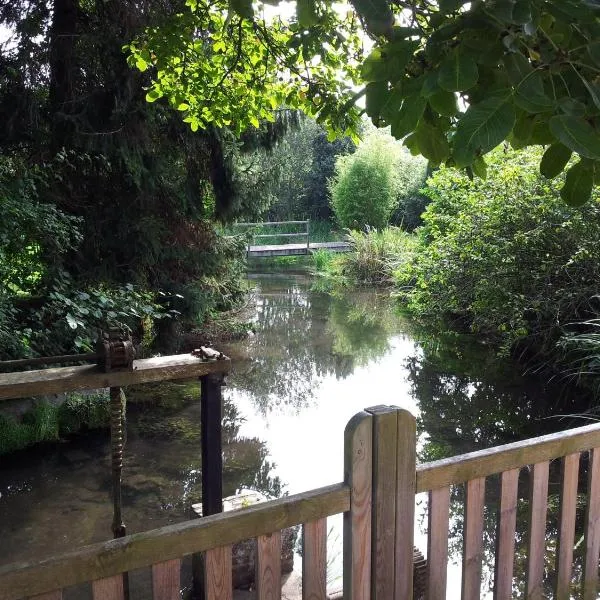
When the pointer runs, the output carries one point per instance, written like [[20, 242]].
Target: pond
[[314, 359]]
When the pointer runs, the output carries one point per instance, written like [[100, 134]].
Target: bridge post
[[308, 236]]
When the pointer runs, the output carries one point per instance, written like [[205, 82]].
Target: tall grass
[[374, 258]]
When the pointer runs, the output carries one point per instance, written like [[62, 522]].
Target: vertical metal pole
[[117, 443], [211, 412]]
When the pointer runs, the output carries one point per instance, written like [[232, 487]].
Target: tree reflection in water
[[469, 401], [303, 336]]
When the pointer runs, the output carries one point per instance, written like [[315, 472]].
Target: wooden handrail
[[271, 223], [173, 541], [23, 384], [458, 469]]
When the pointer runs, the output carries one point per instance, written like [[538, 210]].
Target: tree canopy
[[452, 78]]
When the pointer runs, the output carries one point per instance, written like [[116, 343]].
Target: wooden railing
[[377, 498], [300, 234]]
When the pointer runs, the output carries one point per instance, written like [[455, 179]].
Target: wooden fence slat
[[57, 595], [592, 528], [358, 464], [314, 560], [437, 543], [406, 458], [268, 566], [383, 535], [566, 527], [536, 545], [473, 539], [505, 547], [218, 583], [166, 580], [109, 588]]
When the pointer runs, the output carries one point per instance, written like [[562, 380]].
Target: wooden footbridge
[[254, 250], [377, 499]]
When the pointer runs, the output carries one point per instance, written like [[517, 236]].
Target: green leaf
[[411, 143], [432, 143], [458, 72], [376, 14], [555, 159], [141, 64], [153, 95], [306, 11], [374, 67], [444, 103], [501, 9], [482, 128], [183, 106], [408, 116], [579, 183], [242, 7], [375, 98], [71, 321], [577, 134], [570, 106]]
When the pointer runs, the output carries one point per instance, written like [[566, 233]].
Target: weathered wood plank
[[592, 528], [89, 377], [57, 595], [505, 546], [406, 457], [383, 535], [268, 566], [536, 544], [473, 539], [566, 539], [166, 580], [217, 574], [108, 588], [314, 560], [458, 469], [144, 549], [437, 543], [358, 465]]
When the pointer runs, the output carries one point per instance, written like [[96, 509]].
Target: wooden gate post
[[358, 474], [380, 468]]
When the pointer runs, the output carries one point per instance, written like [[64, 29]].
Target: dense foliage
[[363, 190], [455, 78], [505, 257]]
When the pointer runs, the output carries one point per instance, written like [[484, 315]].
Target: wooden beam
[[166, 580], [592, 528], [473, 539], [314, 560], [174, 541], [89, 377], [217, 574], [268, 566], [505, 536], [536, 543], [458, 469], [568, 514], [437, 543]]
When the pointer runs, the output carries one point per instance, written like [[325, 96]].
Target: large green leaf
[[579, 183], [444, 103], [458, 72], [306, 11], [376, 14], [374, 67], [501, 9], [522, 12], [555, 159], [577, 134], [375, 98], [432, 143], [448, 6], [528, 84], [482, 128], [408, 116], [594, 52]]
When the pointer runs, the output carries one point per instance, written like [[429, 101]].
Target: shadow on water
[[314, 360]]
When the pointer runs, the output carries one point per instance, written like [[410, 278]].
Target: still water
[[313, 361]]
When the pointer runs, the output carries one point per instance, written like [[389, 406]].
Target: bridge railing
[[305, 234], [377, 498]]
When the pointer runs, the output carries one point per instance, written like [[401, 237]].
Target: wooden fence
[[377, 498]]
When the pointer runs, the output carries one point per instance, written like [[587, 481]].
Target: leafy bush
[[363, 188], [410, 175], [504, 256]]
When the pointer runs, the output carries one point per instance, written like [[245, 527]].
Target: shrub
[[505, 256], [363, 188]]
